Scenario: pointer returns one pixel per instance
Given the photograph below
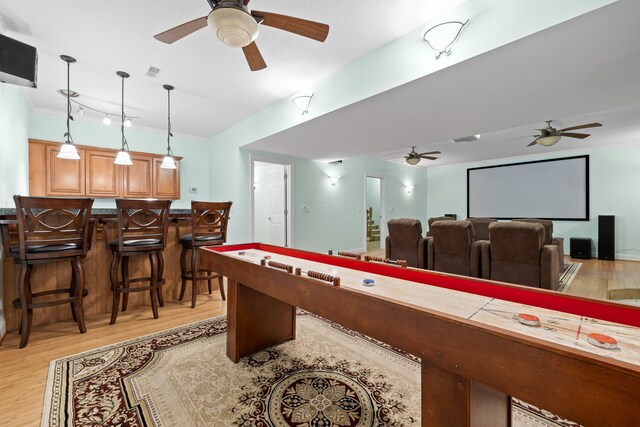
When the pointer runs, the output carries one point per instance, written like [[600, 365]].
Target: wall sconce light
[[410, 188], [440, 37], [333, 180], [303, 102]]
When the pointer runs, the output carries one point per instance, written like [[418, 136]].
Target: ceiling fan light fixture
[[548, 141], [413, 160], [234, 27]]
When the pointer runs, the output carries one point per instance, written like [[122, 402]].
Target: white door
[[277, 208]]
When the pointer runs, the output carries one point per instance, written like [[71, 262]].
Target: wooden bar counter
[[96, 264]]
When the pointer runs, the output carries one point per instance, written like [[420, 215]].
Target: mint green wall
[[400, 61], [14, 151], [613, 180], [335, 216], [194, 167]]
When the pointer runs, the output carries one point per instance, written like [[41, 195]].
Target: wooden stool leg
[[221, 286], [24, 289], [125, 282], [78, 273], [194, 276], [115, 287], [72, 292], [160, 276], [154, 284], [209, 279], [183, 270]]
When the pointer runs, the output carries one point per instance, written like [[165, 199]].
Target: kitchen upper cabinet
[[138, 177], [103, 177], [166, 182], [95, 174]]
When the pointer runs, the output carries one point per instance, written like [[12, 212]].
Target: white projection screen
[[549, 189]]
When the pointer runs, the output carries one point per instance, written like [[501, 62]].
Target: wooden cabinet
[[166, 182], [138, 177], [95, 174], [103, 177]]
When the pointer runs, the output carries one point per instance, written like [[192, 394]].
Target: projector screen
[[555, 189]]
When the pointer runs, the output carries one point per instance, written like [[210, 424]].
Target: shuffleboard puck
[[267, 257], [528, 319], [602, 341], [241, 253], [368, 282]]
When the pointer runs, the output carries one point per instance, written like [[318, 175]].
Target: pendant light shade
[[123, 157], [168, 162], [68, 149]]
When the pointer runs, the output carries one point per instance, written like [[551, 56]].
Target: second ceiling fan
[[550, 135], [236, 26]]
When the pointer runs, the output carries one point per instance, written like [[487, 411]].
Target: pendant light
[[123, 155], [68, 149], [168, 162]]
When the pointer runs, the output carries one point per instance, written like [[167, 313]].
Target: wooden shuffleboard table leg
[[451, 400], [255, 321]]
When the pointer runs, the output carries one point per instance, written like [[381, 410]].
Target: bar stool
[[208, 228], [50, 230], [141, 230]]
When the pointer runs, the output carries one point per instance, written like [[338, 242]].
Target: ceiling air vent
[[471, 138], [153, 72]]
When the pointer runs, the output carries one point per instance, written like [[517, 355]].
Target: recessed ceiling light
[[471, 138]]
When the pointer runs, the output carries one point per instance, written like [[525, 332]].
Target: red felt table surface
[[605, 310]]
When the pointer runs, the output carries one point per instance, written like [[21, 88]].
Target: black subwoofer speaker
[[606, 237], [580, 247]]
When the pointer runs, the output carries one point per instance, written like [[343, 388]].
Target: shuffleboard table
[[480, 342]]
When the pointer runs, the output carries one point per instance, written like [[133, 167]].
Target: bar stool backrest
[[53, 227], [209, 221], [142, 223]]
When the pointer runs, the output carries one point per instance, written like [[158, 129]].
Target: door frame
[[289, 194], [383, 209]]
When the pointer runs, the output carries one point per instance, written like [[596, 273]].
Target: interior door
[[277, 207]]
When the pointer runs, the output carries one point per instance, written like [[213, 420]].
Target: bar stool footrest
[[16, 303]]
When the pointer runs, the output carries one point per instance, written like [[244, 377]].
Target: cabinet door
[[138, 177], [166, 182], [64, 177], [104, 178]]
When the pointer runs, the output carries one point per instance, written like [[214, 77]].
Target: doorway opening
[[375, 230], [271, 202]]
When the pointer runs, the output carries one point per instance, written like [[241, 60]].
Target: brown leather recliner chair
[[452, 248], [516, 253], [405, 242], [437, 218], [481, 227], [548, 237]]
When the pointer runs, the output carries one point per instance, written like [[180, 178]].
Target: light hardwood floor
[[23, 372]]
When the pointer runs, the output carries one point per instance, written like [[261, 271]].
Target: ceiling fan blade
[[429, 157], [246, 2], [429, 152], [302, 27], [183, 30], [535, 141], [588, 125], [576, 135], [254, 57]]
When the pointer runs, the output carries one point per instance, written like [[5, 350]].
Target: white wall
[[614, 176]]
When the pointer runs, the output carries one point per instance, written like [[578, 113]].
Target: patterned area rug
[[329, 376], [567, 275]]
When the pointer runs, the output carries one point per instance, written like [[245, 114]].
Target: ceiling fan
[[414, 158], [236, 26], [550, 135]]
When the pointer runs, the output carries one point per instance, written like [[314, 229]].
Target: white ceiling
[[214, 87], [583, 70]]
